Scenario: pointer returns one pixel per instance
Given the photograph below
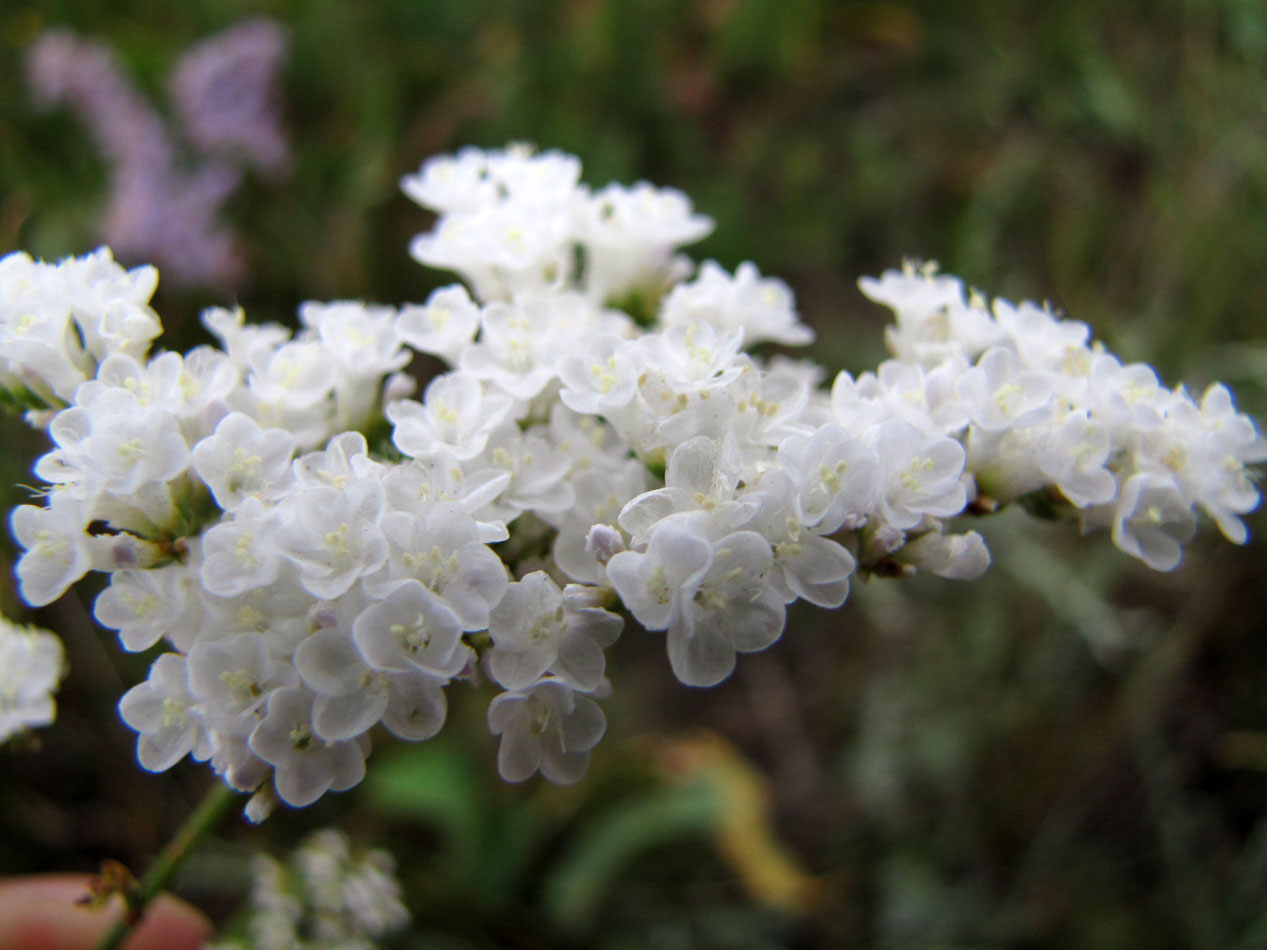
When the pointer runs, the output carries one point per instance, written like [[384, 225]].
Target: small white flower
[[836, 478], [537, 629], [333, 536], [630, 233], [920, 475], [411, 629], [444, 326], [236, 674], [548, 727], [145, 605], [698, 484], [806, 565], [305, 766], [57, 551], [439, 544], [455, 416], [960, 557], [603, 378], [162, 712], [998, 393], [119, 444], [353, 696], [1075, 460], [762, 307], [732, 608], [240, 460], [241, 552], [1153, 521]]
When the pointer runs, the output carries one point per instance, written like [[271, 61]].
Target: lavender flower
[[225, 92], [162, 207], [87, 76]]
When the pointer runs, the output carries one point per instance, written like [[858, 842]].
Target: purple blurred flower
[[225, 92], [161, 209], [87, 77]]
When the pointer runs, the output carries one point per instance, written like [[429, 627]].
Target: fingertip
[[41, 913]]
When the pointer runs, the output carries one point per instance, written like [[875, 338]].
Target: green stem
[[219, 798]]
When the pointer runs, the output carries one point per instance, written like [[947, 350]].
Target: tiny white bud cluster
[[31, 666], [601, 439], [326, 897]]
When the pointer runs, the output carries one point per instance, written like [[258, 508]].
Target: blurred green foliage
[[1070, 752]]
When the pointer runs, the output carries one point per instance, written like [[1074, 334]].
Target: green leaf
[[578, 886]]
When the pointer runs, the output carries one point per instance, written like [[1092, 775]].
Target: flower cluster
[[321, 550], [1051, 417], [160, 207], [326, 897], [31, 666]]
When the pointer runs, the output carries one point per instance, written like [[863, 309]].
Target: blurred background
[[1070, 752]]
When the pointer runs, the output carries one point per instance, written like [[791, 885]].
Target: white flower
[[57, 321], [119, 444], [924, 397], [145, 605], [732, 608], [31, 665], [414, 484], [364, 344], [344, 460], [1075, 460], [537, 628], [630, 233], [291, 388], [444, 326], [411, 629], [1153, 521], [714, 599], [242, 460], [236, 674], [806, 566], [333, 536], [691, 358], [600, 497], [305, 766], [506, 221], [603, 378], [1230, 441], [439, 544], [327, 897], [836, 478], [697, 485], [452, 183], [245, 345], [999, 394], [920, 475], [57, 551], [762, 307], [520, 342], [960, 557], [161, 711], [547, 727], [456, 416], [241, 552], [352, 696], [538, 473]]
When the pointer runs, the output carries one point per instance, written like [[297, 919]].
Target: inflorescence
[[320, 551]]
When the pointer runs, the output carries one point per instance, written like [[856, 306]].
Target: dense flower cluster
[[325, 897], [163, 207], [321, 552], [31, 666]]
